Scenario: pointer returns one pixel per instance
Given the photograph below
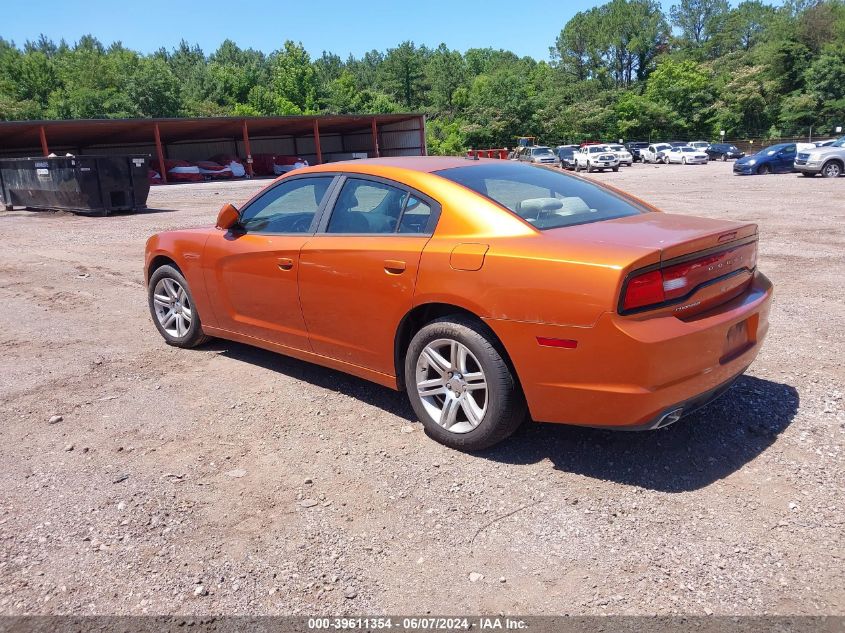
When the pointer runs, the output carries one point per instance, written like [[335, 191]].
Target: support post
[[160, 153], [375, 139], [423, 148], [248, 151], [43, 134], [317, 142]]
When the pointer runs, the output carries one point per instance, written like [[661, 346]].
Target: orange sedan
[[489, 291]]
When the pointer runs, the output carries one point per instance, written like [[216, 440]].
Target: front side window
[[289, 207], [366, 206], [546, 199]]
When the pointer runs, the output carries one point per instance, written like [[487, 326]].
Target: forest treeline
[[624, 69]]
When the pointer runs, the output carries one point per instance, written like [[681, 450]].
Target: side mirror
[[228, 217]]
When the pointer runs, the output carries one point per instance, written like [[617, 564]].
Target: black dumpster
[[95, 185]]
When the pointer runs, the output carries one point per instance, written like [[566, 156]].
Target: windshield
[[839, 143], [687, 149], [596, 149], [660, 147], [547, 199], [542, 151]]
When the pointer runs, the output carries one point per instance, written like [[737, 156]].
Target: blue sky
[[342, 27]]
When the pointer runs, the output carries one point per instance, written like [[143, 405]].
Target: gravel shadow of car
[[700, 449], [370, 393]]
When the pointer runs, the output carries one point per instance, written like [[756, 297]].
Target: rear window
[[547, 199]]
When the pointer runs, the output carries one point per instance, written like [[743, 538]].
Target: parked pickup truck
[[654, 152], [596, 157], [829, 160]]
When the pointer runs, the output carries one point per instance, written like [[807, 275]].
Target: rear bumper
[[682, 409], [627, 372]]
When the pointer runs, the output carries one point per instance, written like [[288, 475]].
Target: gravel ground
[[230, 480]]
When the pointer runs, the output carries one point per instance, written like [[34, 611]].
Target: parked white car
[[596, 157], [622, 153], [702, 145], [654, 152], [686, 155]]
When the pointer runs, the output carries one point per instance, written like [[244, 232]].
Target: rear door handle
[[394, 266], [285, 263]]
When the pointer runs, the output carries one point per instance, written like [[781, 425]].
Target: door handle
[[394, 266], [285, 263]]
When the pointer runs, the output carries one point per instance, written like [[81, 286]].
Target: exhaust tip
[[669, 418]]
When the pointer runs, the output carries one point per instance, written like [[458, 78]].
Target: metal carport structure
[[317, 138]]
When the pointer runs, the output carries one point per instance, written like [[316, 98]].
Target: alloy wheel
[[832, 170], [172, 307], [452, 385]]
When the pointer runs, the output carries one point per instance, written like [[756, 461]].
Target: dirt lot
[[231, 480]]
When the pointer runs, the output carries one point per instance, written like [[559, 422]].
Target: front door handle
[[285, 263], [394, 266]]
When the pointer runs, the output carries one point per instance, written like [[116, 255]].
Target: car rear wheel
[[764, 170], [173, 310], [724, 157], [832, 169], [460, 385]]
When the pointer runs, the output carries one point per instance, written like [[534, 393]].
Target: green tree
[[446, 72], [294, 80], [403, 75], [699, 20], [684, 89]]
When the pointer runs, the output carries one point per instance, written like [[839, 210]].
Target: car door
[[357, 274], [251, 270], [785, 158]]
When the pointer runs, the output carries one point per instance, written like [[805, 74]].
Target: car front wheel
[[460, 385], [832, 170], [172, 308], [764, 170]]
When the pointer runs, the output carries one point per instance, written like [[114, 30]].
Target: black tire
[[807, 174], [194, 335], [724, 158], [616, 168], [764, 170], [505, 405], [831, 169]]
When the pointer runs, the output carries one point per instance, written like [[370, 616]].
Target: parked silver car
[[829, 160], [539, 154]]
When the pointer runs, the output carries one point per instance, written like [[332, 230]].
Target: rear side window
[[416, 216], [547, 199], [366, 206]]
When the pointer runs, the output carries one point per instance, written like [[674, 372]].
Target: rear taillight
[[674, 282], [644, 290]]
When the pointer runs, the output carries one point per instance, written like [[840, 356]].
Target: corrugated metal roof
[[87, 132]]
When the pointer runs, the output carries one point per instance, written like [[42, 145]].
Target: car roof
[[426, 164]]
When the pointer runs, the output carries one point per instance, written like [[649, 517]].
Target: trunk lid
[[672, 235], [710, 259]]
